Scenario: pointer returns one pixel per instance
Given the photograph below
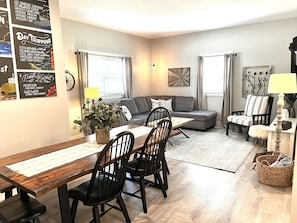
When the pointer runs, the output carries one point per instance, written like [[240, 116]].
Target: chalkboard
[[31, 13], [5, 44], [33, 49], [36, 84]]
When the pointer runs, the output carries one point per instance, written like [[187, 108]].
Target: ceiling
[[161, 18]]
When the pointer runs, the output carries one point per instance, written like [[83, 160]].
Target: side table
[[287, 144]]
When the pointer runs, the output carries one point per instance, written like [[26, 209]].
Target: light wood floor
[[197, 194]]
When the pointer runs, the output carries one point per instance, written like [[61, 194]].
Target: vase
[[292, 113], [102, 136]]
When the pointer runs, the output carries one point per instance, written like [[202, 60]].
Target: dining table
[[41, 170]]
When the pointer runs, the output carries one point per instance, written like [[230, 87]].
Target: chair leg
[[74, 209], [96, 215], [227, 128], [158, 176], [247, 134], [123, 208], [142, 192]]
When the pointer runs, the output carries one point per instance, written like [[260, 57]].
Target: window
[[107, 73], [213, 74]]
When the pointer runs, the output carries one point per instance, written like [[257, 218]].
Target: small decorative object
[[98, 115], [255, 80], [290, 100], [179, 77]]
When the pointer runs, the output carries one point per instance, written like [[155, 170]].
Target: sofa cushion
[[155, 103], [184, 104], [198, 115], [142, 104], [166, 104], [130, 104], [126, 112]]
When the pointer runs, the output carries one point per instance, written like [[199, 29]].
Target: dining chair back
[[107, 179], [155, 116], [149, 160]]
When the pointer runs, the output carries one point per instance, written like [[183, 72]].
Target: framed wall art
[[255, 80], [179, 77]]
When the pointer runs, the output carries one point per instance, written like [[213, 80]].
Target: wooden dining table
[[58, 177]]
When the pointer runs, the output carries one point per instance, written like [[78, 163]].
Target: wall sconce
[[154, 67]]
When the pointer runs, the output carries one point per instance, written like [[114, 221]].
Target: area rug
[[211, 148]]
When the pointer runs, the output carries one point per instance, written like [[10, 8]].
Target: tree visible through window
[[107, 73]]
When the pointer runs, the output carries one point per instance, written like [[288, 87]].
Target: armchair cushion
[[240, 119], [256, 105]]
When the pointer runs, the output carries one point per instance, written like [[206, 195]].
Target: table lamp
[[281, 84], [92, 93]]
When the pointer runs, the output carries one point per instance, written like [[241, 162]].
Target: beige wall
[[30, 123], [87, 37]]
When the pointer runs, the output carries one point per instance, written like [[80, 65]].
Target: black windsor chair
[[149, 161], [107, 179]]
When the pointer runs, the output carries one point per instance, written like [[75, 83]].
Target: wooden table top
[[44, 182]]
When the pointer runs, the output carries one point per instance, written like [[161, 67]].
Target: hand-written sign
[[31, 13], [6, 70], [34, 50], [35, 84]]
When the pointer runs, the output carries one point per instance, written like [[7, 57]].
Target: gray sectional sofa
[[182, 106]]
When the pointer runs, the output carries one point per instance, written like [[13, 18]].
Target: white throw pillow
[[126, 112], [166, 104], [155, 103]]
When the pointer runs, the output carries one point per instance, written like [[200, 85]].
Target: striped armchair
[[257, 111]]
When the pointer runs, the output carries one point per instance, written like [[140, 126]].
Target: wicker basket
[[273, 176]]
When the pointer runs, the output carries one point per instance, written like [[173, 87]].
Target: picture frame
[[255, 80], [178, 77]]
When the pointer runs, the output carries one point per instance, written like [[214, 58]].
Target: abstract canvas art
[[179, 77]]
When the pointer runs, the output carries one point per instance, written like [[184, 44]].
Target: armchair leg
[[247, 134], [227, 128]]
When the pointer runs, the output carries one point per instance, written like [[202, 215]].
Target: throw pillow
[[126, 112], [155, 103], [166, 104]]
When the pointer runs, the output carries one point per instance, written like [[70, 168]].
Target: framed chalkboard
[[33, 49], [31, 13], [5, 44], [37, 84]]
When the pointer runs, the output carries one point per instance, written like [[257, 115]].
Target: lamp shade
[[92, 92], [282, 83]]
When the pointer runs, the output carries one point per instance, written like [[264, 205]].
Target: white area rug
[[210, 148]]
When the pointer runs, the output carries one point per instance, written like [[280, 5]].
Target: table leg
[[183, 132], [64, 204]]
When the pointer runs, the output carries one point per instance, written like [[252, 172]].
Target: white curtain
[[82, 66], [227, 88], [200, 95], [128, 77]]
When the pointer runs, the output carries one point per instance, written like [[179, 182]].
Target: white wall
[[78, 35], [30, 123]]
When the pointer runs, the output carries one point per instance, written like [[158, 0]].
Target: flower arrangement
[[98, 115]]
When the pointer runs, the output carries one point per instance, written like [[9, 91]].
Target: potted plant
[[98, 117]]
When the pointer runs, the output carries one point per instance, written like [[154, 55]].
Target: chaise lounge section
[[138, 108]]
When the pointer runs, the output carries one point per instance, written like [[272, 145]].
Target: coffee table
[[178, 122]]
